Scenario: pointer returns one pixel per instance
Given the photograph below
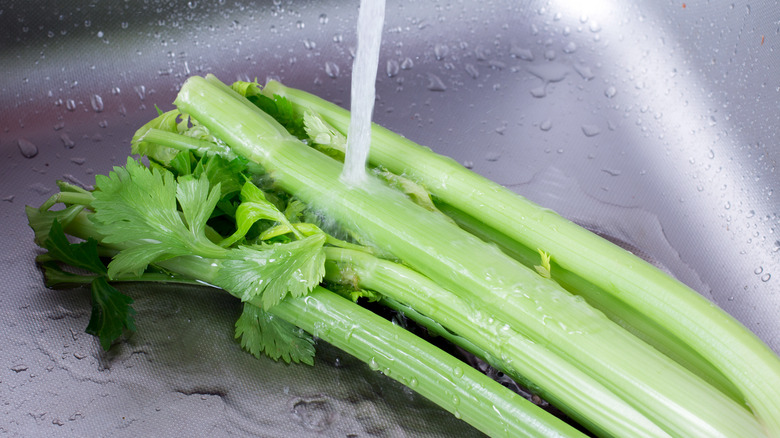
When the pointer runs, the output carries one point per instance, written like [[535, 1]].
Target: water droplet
[[392, 68], [441, 50], [115, 91], [373, 364], [584, 71], [97, 103], [595, 27], [472, 70], [59, 125], [766, 277], [521, 53], [125, 25], [549, 54], [140, 90], [338, 38], [309, 44], [539, 91], [300, 24], [492, 156], [435, 83], [50, 34], [78, 160], [570, 47], [468, 164], [758, 270], [323, 19], [455, 399], [100, 34], [413, 382], [590, 130], [612, 172], [610, 92], [407, 64], [332, 69], [67, 141], [70, 104], [457, 372], [27, 148]]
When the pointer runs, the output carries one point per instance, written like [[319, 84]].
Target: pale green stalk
[[679, 402], [559, 382], [642, 290]]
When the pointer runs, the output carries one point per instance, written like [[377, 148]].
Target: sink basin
[[652, 124]]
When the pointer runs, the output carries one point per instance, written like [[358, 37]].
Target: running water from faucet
[[369, 35]]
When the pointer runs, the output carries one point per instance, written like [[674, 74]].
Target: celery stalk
[[641, 290], [675, 399], [556, 380]]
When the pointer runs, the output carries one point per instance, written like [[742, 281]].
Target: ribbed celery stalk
[[678, 401], [558, 381], [642, 290], [436, 375], [399, 354]]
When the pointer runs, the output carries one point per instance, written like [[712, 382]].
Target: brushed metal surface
[[652, 123]]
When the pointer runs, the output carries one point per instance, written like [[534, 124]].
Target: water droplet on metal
[[595, 27], [521, 53], [392, 68], [610, 92], [309, 44], [758, 270], [332, 69], [323, 18], [591, 130], [27, 148], [59, 125], [492, 156], [407, 64], [766, 277], [435, 83], [97, 103], [539, 92], [472, 70], [584, 71], [546, 125], [67, 141], [570, 47], [140, 90], [440, 51], [70, 105], [549, 54]]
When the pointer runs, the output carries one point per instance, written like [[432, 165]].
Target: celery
[[669, 395], [678, 320]]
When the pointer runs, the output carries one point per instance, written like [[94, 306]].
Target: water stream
[[369, 35]]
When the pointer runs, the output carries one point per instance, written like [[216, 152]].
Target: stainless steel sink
[[654, 124]]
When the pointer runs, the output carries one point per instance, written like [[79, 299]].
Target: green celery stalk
[[561, 383], [628, 287], [438, 376], [399, 354], [678, 401]]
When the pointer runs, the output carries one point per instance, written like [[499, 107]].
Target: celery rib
[[561, 383], [642, 291], [480, 273]]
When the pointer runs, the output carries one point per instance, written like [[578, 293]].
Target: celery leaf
[[272, 271], [138, 206], [111, 312], [261, 333]]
